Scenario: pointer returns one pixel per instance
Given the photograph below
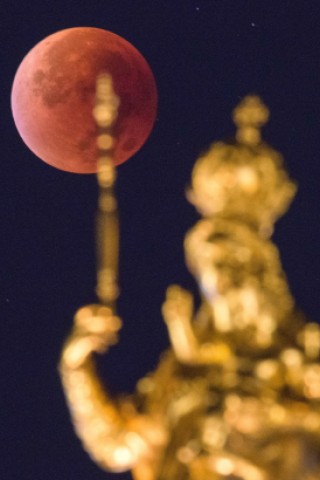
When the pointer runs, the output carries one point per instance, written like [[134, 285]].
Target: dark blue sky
[[205, 55]]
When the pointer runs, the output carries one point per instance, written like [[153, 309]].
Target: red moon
[[54, 90]]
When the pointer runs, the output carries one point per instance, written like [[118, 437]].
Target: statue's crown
[[243, 179]]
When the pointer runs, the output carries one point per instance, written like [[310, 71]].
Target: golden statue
[[237, 397]]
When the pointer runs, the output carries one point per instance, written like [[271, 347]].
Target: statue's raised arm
[[113, 433]]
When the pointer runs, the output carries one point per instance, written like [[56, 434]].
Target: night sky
[[205, 55]]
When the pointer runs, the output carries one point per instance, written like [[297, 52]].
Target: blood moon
[[53, 95]]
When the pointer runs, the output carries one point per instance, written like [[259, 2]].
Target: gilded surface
[[236, 397]]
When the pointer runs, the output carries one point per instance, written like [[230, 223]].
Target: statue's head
[[240, 277]]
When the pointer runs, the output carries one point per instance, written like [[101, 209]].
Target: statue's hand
[[95, 329], [178, 305]]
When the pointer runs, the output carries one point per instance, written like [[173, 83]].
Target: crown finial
[[249, 116]]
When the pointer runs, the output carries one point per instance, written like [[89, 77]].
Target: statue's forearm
[[109, 432]]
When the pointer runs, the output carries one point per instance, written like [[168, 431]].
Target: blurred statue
[[237, 396]]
